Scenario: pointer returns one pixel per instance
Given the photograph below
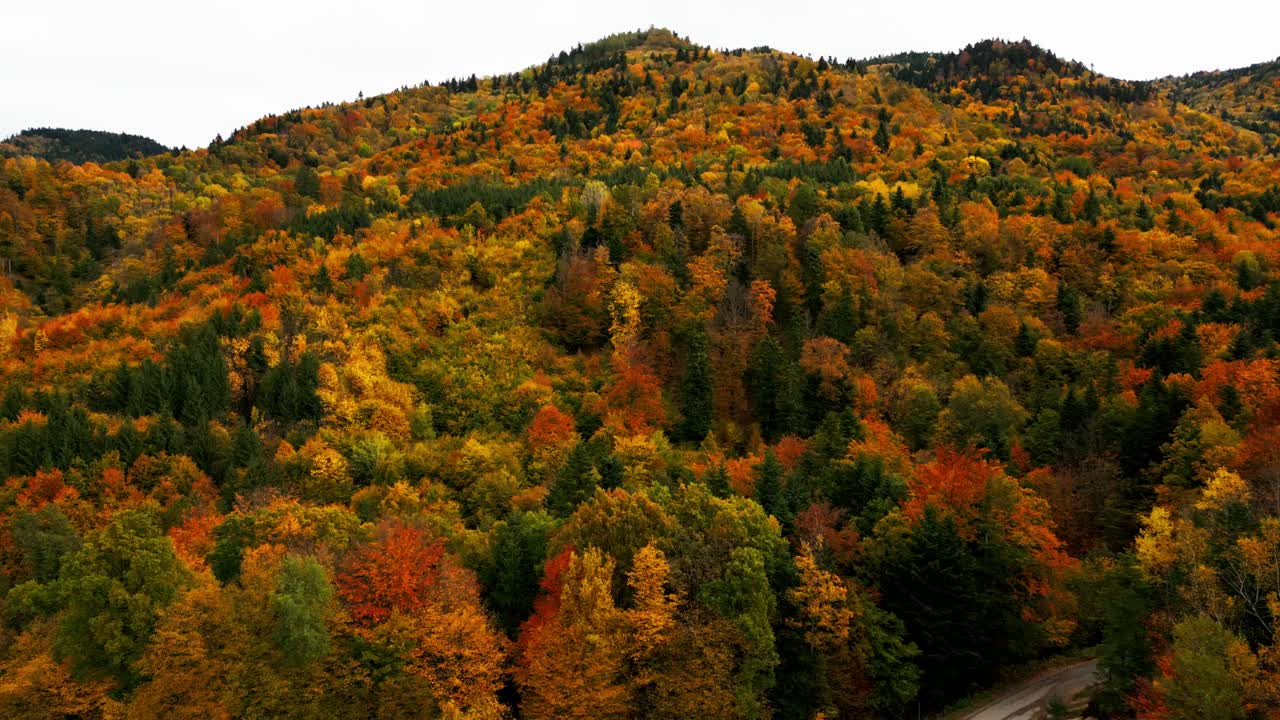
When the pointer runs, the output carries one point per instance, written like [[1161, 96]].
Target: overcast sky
[[181, 72]]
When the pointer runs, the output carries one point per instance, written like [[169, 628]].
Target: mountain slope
[[1247, 97], [650, 381]]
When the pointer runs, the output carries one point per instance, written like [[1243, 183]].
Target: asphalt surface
[[1022, 702]]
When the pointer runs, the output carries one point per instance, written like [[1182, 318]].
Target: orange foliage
[[633, 403], [789, 450], [400, 571], [550, 428]]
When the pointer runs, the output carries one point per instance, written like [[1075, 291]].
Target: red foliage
[[43, 488], [634, 400], [193, 539], [822, 525], [789, 450], [742, 474], [547, 605], [1147, 702], [398, 572], [953, 481], [550, 428]]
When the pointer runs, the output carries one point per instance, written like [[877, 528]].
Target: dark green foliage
[[696, 389], [865, 487], [770, 490], [498, 200], [351, 215], [288, 390], [944, 586], [190, 384], [763, 381], [1152, 422], [79, 146], [1071, 307], [804, 204], [307, 183], [357, 267], [717, 481], [791, 412], [230, 539], [841, 319], [881, 138], [576, 481], [44, 538], [514, 567], [1124, 655], [321, 280], [67, 437], [1025, 343]]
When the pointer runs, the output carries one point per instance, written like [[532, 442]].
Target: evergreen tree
[[307, 182], [881, 138], [943, 586], [1025, 343], [763, 385], [717, 481], [575, 483], [44, 538], [696, 389], [769, 489], [1124, 655], [1070, 307], [321, 280], [791, 412], [288, 390], [514, 566]]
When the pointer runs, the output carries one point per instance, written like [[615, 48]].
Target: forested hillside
[[79, 146], [653, 381]]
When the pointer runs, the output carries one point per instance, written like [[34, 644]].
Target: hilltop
[[79, 146], [652, 381]]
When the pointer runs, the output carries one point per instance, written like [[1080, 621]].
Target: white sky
[[181, 71]]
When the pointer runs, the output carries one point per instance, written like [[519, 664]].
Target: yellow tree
[[573, 659]]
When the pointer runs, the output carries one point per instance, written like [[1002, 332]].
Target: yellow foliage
[[1223, 488], [1155, 546], [624, 308], [822, 600], [654, 613]]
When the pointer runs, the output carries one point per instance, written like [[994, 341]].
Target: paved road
[[1022, 702]]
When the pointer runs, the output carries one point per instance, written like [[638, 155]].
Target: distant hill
[[79, 146], [1246, 97]]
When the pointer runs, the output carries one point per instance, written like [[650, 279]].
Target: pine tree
[[321, 280], [1071, 308], [769, 489], [575, 482], [696, 389], [717, 481], [791, 412], [1025, 343], [881, 138]]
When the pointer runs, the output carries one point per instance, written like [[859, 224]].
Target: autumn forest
[[655, 381]]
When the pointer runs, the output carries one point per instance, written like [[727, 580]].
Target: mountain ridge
[[925, 68]]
